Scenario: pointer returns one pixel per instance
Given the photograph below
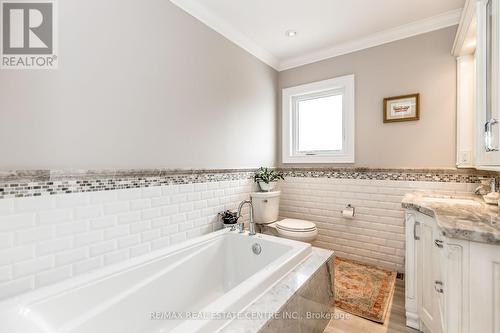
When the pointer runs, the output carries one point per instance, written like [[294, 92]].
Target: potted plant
[[229, 217], [267, 178]]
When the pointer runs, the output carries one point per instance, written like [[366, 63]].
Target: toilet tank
[[265, 206]]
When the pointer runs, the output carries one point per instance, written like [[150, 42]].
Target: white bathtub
[[212, 274]]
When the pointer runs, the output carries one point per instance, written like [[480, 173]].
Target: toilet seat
[[295, 225], [300, 230]]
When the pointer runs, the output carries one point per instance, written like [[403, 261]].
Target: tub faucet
[[493, 184], [488, 185], [252, 223]]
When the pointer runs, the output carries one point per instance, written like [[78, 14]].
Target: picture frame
[[402, 108]]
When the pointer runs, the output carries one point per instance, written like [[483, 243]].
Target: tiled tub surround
[[48, 238], [306, 290], [478, 223], [376, 234]]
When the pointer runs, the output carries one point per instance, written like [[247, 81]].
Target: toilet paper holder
[[348, 212]]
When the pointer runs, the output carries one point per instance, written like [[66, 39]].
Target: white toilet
[[266, 212]]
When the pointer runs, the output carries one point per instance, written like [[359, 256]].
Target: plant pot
[[267, 187], [229, 220]]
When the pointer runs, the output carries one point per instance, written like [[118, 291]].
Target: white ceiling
[[325, 28]]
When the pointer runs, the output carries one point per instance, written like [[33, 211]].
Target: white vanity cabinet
[[452, 285]]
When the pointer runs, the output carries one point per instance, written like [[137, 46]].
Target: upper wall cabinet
[[478, 72]]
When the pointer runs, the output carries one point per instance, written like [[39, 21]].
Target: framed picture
[[402, 108]]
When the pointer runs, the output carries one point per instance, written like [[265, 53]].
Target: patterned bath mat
[[363, 290]]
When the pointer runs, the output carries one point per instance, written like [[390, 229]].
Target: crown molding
[[437, 22], [468, 14], [200, 12]]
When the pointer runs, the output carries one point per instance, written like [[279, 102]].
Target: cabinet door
[[487, 85], [484, 288], [411, 297], [456, 286], [429, 263], [440, 262]]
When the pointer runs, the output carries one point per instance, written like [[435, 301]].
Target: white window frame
[[291, 96]]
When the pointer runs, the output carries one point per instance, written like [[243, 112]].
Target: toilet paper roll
[[348, 212]]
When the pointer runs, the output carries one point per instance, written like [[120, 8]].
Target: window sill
[[318, 159]]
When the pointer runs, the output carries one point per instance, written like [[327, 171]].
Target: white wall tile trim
[[376, 234], [47, 239]]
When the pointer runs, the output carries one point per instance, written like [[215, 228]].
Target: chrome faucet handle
[[241, 228], [493, 184], [478, 189]]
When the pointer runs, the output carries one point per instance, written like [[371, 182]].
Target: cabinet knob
[[438, 243], [415, 236], [438, 287]]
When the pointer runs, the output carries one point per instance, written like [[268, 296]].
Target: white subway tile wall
[[50, 238], [376, 234]]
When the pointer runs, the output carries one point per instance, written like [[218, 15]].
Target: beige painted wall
[[420, 64], [139, 84]]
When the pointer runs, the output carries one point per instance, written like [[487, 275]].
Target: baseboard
[[413, 320]]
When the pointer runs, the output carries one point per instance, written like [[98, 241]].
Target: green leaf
[[267, 175]]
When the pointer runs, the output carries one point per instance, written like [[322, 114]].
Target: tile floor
[[394, 323]]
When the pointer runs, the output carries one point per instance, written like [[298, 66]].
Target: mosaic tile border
[[14, 184], [17, 184], [12, 176], [425, 175]]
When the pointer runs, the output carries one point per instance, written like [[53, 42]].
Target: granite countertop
[[468, 218]]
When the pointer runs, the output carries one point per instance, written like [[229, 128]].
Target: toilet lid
[[295, 225]]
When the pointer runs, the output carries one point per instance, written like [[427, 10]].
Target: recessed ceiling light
[[291, 33]]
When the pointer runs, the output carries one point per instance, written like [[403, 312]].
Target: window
[[318, 122]]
